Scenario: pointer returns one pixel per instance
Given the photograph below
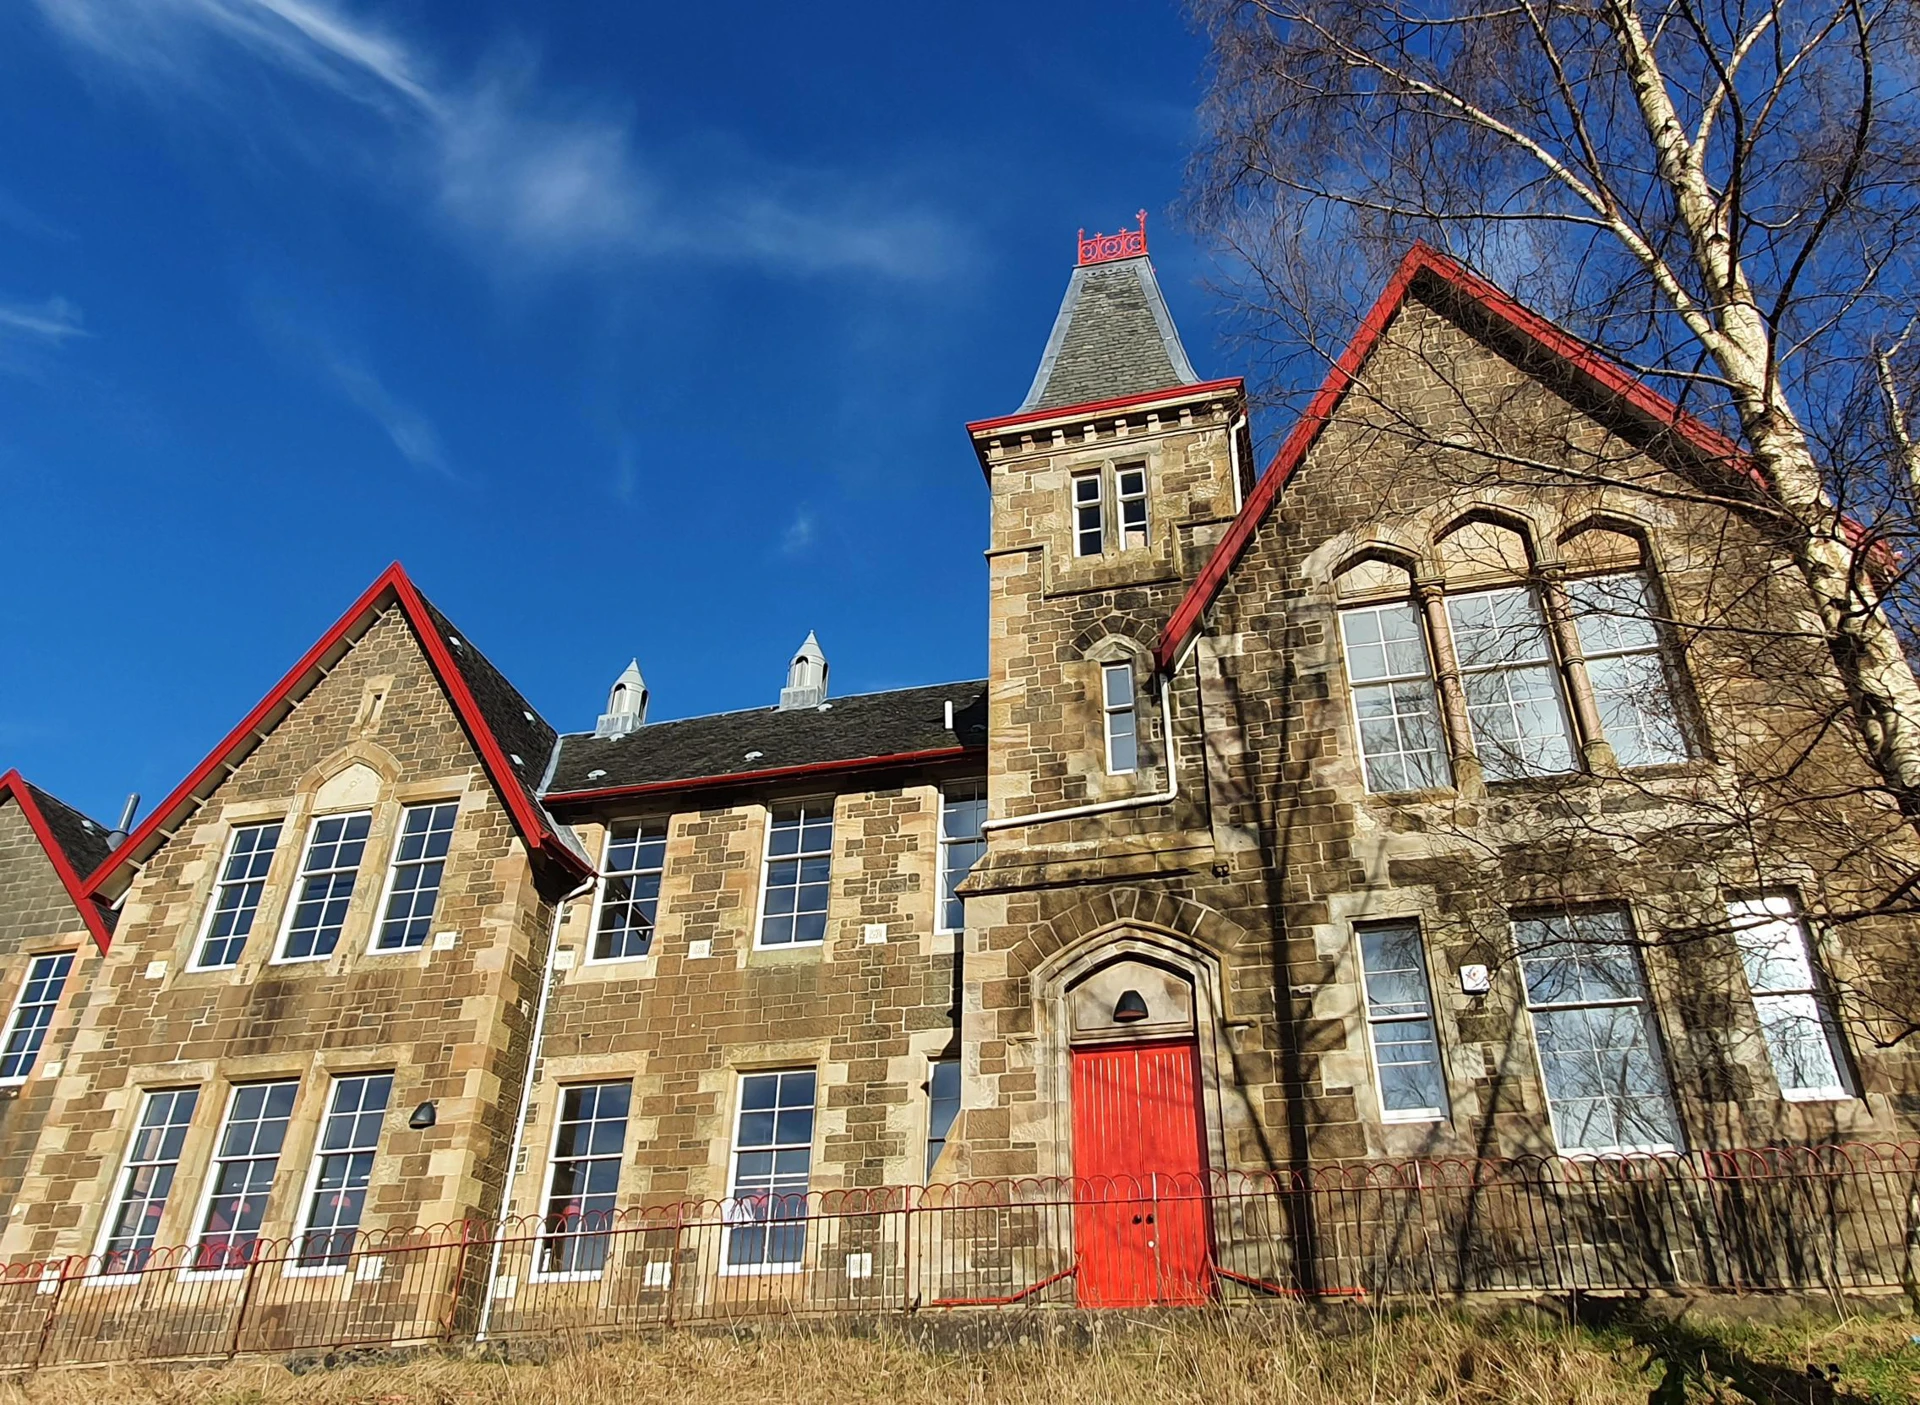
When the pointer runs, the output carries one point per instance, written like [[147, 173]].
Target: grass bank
[[1279, 1359]]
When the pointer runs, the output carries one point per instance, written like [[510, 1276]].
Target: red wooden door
[[1141, 1208]]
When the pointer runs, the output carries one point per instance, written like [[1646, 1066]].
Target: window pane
[[1606, 1084], [583, 1178], [32, 1013], [1116, 681], [332, 864], [1796, 1017], [963, 809], [147, 1179], [1631, 686], [630, 896], [943, 1105], [349, 1137], [1399, 1017], [236, 897], [246, 1160], [799, 872], [773, 1150], [426, 831]]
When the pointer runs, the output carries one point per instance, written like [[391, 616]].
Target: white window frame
[[767, 859], [222, 882], [733, 1270], [967, 792], [103, 1242], [1586, 618], [1650, 1021], [300, 876], [1109, 711], [606, 873], [395, 864], [1547, 662], [542, 1236], [1442, 1111], [1752, 915], [20, 1007], [211, 1180], [310, 1187], [1098, 502], [1389, 682], [1123, 499]]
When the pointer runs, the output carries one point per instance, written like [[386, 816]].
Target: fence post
[[906, 1251], [457, 1281], [53, 1309], [673, 1262], [246, 1299]]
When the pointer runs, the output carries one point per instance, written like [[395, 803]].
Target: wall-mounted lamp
[[423, 1117], [1129, 1007]]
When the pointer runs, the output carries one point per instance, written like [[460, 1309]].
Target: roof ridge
[[774, 707]]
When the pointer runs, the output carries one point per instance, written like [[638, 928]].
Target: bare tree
[[1722, 193]]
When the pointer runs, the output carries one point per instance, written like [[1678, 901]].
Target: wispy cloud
[[512, 167], [412, 433], [54, 321], [800, 533]]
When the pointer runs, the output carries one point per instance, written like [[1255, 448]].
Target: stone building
[[1374, 806]]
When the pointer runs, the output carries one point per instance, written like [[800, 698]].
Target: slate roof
[[525, 736], [1112, 337], [843, 731], [82, 840]]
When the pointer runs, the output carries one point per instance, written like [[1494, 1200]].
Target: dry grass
[[1272, 1360]]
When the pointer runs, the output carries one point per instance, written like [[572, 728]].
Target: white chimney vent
[[626, 704], [806, 677]]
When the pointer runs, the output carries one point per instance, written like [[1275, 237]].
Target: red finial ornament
[[1127, 244]]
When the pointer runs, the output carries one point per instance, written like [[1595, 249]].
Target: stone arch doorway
[[1133, 1019]]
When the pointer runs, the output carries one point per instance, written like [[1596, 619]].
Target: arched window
[[1616, 616], [1402, 743]]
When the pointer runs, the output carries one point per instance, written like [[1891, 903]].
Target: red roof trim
[[1099, 407], [15, 784], [1591, 362], [392, 583], [772, 773]]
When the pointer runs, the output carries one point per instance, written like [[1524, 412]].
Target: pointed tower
[[806, 677], [626, 704], [1111, 483]]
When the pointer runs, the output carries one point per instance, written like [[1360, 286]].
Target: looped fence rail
[[1822, 1219]]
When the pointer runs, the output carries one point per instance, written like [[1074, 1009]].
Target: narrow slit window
[[244, 1165], [236, 897], [343, 1168], [1513, 689], [1631, 684], [1607, 1088], [943, 1105], [1089, 516], [32, 1014], [1122, 725], [963, 809], [1402, 746], [1130, 495], [335, 847], [1796, 1014], [146, 1180], [583, 1178], [419, 865], [799, 875], [630, 901], [1406, 1052], [772, 1165]]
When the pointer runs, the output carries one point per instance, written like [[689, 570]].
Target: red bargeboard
[[1140, 1171]]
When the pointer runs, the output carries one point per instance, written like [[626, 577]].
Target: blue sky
[[632, 329]]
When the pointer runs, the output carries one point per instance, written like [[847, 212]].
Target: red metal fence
[[1826, 1219]]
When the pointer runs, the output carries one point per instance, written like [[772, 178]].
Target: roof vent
[[118, 835], [806, 677], [626, 704]]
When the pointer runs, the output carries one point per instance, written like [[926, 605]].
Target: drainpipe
[[1233, 448], [526, 1100], [1131, 802]]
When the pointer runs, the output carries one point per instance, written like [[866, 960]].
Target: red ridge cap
[[1589, 360], [392, 582], [810, 768], [15, 784]]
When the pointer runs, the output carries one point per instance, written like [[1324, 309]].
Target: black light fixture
[[1129, 1007], [423, 1117]]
